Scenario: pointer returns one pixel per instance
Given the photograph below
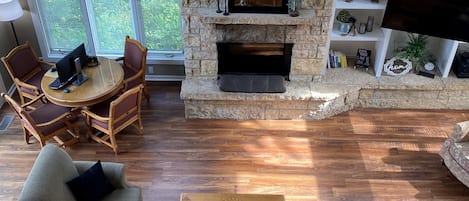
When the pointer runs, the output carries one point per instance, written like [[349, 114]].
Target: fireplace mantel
[[209, 16]]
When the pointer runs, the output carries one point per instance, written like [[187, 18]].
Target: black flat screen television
[[440, 18], [66, 69]]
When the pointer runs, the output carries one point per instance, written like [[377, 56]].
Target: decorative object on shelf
[[363, 58], [429, 66], [218, 7], [397, 66], [344, 18], [369, 23], [428, 70], [226, 8], [10, 11], [337, 59], [353, 29], [293, 7], [415, 50], [362, 28]]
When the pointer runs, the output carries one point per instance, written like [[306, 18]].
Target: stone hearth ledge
[[338, 91]]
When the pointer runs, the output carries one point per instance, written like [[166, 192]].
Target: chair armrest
[[86, 113], [26, 85], [41, 97], [119, 59], [115, 172], [46, 63], [138, 75], [460, 133]]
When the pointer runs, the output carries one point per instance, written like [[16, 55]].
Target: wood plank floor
[[364, 154]]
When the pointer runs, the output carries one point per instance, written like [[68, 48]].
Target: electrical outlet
[[151, 70]]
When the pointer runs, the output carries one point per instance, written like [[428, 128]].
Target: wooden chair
[[113, 116], [47, 121], [134, 64], [26, 70]]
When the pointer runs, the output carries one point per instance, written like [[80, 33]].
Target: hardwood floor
[[364, 154]]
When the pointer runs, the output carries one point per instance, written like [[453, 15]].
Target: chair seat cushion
[[48, 112], [117, 124], [92, 185]]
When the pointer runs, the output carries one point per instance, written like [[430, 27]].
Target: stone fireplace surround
[[311, 93], [203, 28]]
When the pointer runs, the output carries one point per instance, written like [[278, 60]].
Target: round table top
[[104, 81]]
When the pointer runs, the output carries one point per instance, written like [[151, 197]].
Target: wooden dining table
[[104, 81]]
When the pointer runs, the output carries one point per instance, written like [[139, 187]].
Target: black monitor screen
[[66, 66]]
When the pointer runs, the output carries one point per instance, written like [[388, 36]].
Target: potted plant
[[345, 21], [415, 50]]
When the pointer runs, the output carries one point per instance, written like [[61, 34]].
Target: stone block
[[192, 64], [209, 67], [458, 103], [223, 110]]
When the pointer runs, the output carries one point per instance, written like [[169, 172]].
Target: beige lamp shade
[[10, 10]]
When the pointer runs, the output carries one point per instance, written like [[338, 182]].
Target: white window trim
[[170, 58]]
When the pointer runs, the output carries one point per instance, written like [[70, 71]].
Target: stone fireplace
[[204, 28]]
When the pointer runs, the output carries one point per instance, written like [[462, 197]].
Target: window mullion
[[138, 20], [90, 24]]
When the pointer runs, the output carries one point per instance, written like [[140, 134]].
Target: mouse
[[66, 90], [53, 69]]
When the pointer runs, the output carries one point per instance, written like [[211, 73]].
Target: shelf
[[375, 35], [209, 16], [360, 4]]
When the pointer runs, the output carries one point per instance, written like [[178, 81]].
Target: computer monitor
[[66, 68]]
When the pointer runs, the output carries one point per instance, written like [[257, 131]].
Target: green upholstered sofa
[[54, 167]]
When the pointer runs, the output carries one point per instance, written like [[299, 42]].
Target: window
[[62, 25]]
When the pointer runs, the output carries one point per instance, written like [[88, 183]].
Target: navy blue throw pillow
[[92, 185]]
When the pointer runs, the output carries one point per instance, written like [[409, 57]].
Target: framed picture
[[363, 58]]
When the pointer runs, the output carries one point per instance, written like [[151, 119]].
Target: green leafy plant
[[344, 16], [415, 50]]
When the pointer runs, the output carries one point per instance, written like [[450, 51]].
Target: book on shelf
[[336, 59]]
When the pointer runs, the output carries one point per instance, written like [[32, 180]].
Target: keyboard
[[56, 84]]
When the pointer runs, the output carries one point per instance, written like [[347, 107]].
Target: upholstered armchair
[[47, 121], [134, 64], [455, 152], [26, 70], [53, 168], [109, 118]]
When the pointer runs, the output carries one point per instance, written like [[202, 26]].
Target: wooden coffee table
[[230, 197]]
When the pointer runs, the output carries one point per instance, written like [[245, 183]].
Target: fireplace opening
[[254, 58], [254, 67], [258, 6]]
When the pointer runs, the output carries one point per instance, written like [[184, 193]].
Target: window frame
[[153, 57]]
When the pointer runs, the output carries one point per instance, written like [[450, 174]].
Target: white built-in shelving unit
[[377, 40]]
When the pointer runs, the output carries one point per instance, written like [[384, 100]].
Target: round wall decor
[[397, 66]]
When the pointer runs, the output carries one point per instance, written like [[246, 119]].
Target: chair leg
[[112, 138], [146, 94], [140, 126], [26, 135]]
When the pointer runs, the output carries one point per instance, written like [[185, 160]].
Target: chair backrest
[[135, 55], [125, 109], [21, 61], [26, 120]]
